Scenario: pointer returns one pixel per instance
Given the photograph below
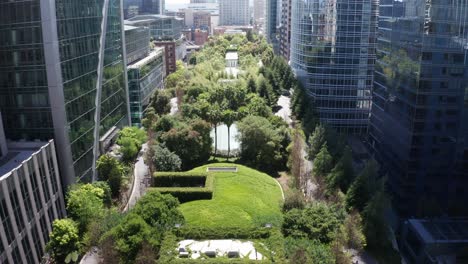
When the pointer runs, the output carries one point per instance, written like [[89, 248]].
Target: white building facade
[[234, 12], [30, 200]]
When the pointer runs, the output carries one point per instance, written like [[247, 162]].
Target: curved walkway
[[139, 174]]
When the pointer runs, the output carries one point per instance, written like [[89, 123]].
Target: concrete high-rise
[[419, 120], [333, 55], [234, 12], [63, 76]]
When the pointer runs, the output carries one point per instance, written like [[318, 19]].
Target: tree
[[318, 221], [323, 162], [139, 135], [300, 251], [228, 118], [64, 239], [191, 142], [165, 160], [129, 237], [260, 143], [161, 102], [342, 174], [295, 161], [111, 170], [214, 117], [85, 204], [363, 187], [159, 210], [316, 141], [107, 198], [354, 231], [375, 224], [251, 85], [128, 148]]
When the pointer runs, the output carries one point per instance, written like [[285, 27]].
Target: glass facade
[[419, 120], [234, 12], [153, 7], [333, 55], [161, 27], [137, 43], [24, 96], [48, 77], [144, 77]]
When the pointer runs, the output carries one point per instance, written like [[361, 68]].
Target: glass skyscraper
[[333, 55], [62, 76], [419, 120]]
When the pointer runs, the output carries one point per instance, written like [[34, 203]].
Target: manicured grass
[[244, 199]]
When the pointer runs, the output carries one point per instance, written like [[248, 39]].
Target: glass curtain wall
[[333, 55], [419, 121]]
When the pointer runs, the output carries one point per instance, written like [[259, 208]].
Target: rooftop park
[[337, 219]]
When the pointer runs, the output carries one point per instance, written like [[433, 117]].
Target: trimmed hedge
[[179, 179], [185, 193]]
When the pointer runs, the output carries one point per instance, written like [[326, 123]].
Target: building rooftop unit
[[18, 153]]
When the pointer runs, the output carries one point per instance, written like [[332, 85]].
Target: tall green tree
[[85, 204], [111, 170], [363, 187], [215, 117], [228, 118], [375, 224], [260, 143], [165, 160], [323, 162], [316, 140], [342, 175], [64, 239], [161, 102]]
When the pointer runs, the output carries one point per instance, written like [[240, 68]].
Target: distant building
[[202, 20], [435, 241], [232, 59], [272, 23], [155, 7], [144, 78], [212, 8], [234, 12], [174, 50], [161, 27], [259, 10], [131, 11], [31, 198], [137, 43], [200, 37], [285, 29]]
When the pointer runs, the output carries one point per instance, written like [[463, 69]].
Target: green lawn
[[244, 199]]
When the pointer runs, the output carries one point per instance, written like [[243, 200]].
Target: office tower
[[234, 12], [155, 7], [146, 70], [419, 120], [31, 199], [166, 32], [285, 29], [273, 21], [333, 54], [202, 20], [58, 81], [259, 9]]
